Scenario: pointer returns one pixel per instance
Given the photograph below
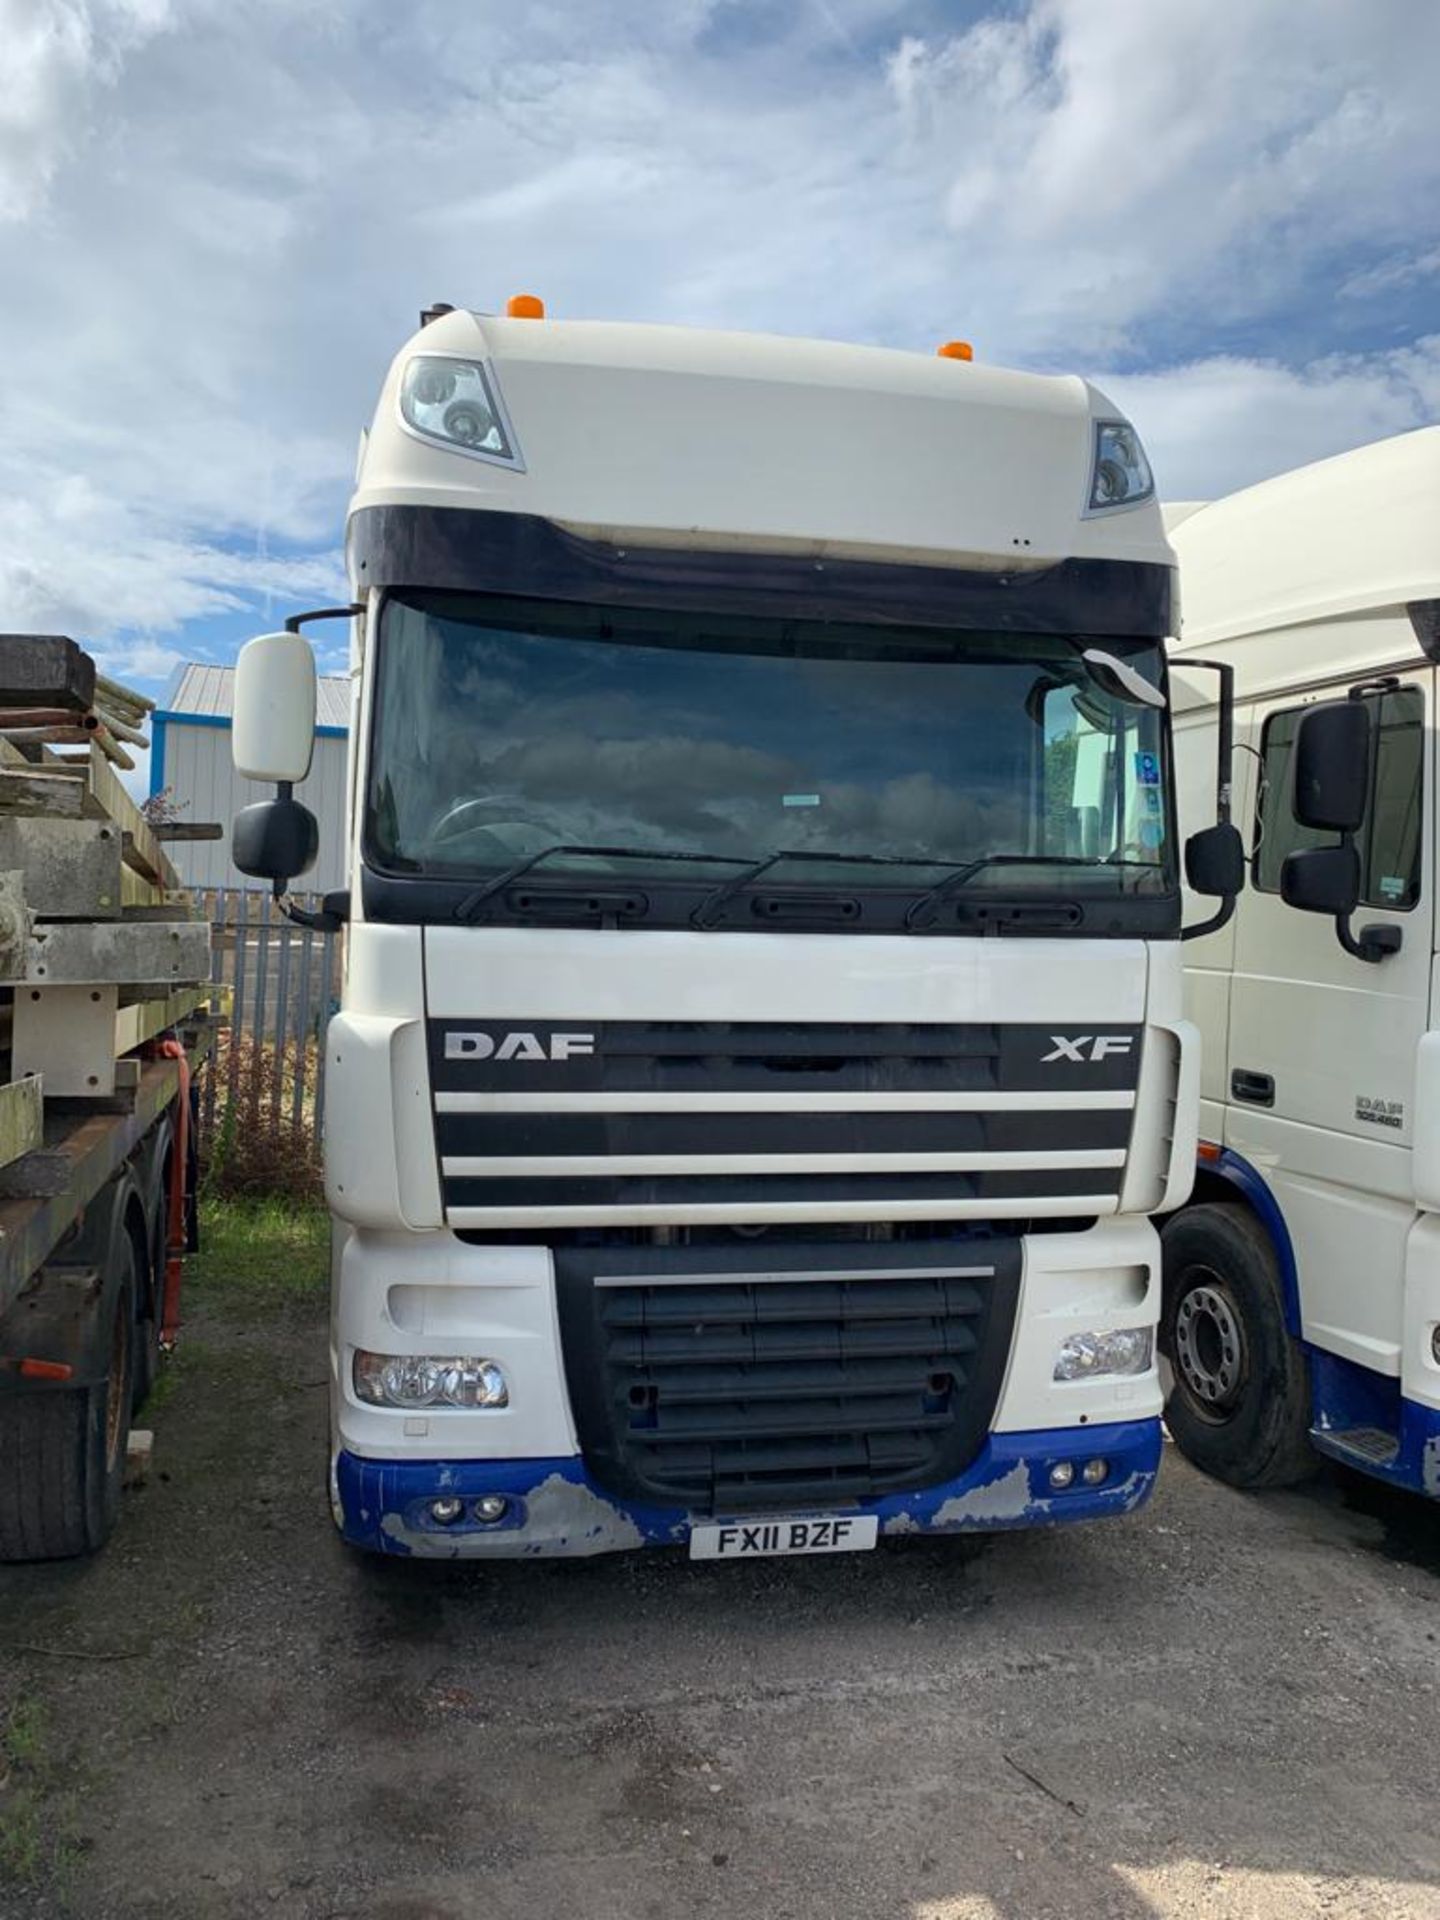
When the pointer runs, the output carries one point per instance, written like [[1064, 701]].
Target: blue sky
[[219, 218]]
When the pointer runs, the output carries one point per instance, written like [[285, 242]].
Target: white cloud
[[53, 55], [218, 218]]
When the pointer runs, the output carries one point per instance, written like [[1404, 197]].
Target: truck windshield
[[632, 744]]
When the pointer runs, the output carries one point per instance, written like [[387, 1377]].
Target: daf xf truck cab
[[1302, 1299], [761, 1046]]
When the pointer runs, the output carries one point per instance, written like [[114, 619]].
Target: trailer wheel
[[1239, 1406], [62, 1451]]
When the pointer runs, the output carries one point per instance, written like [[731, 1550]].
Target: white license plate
[[753, 1539]]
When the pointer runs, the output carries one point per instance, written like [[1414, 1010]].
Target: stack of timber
[[100, 949]]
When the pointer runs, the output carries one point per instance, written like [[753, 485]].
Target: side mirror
[[275, 840], [273, 732], [1215, 860], [1332, 767], [1322, 880]]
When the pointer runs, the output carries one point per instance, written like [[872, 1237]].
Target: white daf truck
[[1302, 1299], [761, 1048]]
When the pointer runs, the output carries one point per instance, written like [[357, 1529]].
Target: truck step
[[1373, 1445]]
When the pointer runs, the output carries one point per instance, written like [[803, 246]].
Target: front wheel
[[1239, 1405]]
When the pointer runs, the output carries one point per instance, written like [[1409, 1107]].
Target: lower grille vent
[[731, 1392]]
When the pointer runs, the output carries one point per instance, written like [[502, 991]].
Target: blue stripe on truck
[[556, 1509]]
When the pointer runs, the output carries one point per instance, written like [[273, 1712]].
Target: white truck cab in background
[[761, 1049], [1303, 1281]]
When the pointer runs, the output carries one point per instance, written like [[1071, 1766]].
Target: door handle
[[1256, 1089]]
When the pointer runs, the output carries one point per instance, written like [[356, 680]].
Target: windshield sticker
[[1147, 769], [800, 800], [1392, 886], [1150, 799], [1152, 833]]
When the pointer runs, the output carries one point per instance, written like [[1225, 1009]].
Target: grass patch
[[261, 1252], [38, 1843]]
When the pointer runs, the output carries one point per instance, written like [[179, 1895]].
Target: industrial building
[[190, 763]]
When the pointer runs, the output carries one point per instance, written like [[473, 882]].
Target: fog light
[[1061, 1474], [446, 1512], [1121, 1350], [491, 1507], [1094, 1471]]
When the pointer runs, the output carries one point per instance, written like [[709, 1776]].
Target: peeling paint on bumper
[[557, 1510]]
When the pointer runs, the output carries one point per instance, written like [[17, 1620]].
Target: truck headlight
[[1120, 474], [457, 403], [429, 1380], [1125, 1350]]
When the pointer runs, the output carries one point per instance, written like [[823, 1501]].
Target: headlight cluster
[[1120, 474], [414, 1381], [1123, 1350], [454, 401]]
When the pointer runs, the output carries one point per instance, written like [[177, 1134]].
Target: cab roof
[[1357, 532]]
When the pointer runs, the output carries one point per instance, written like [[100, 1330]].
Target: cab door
[[1322, 1046]]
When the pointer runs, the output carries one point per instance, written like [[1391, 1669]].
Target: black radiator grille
[[726, 1393], [659, 1121]]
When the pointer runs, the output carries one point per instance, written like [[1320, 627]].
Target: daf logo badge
[[1100, 1047], [518, 1046]]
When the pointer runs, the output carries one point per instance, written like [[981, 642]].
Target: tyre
[[1239, 1404], [62, 1452]]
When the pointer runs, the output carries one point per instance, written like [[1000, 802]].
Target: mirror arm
[[1225, 732], [1217, 920], [298, 620], [333, 914], [1224, 781], [1375, 943]]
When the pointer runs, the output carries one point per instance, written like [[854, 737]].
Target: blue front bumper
[[556, 1509]]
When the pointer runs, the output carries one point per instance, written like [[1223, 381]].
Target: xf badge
[[1085, 1047]]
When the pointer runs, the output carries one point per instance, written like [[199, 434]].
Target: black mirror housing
[[1322, 880], [1215, 861], [1332, 767], [275, 839]]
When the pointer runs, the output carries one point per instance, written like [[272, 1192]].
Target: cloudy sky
[[219, 218]]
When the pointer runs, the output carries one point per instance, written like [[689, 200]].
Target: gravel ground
[[1222, 1706]]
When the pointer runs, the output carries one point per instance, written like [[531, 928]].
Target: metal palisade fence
[[264, 1097]]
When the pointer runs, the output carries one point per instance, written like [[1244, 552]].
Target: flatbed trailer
[[102, 1027]]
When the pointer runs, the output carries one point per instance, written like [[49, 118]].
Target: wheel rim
[[1210, 1350], [117, 1393]]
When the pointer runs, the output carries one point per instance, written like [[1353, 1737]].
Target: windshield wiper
[[469, 906], [704, 914], [926, 908]]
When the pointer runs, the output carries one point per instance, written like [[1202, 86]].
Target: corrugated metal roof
[[203, 689]]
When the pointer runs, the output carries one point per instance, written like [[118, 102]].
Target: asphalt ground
[[1224, 1705]]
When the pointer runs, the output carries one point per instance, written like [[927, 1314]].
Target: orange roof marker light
[[525, 306], [956, 350]]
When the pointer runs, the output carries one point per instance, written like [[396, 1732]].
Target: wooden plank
[[136, 1024], [22, 1123], [188, 830], [140, 862], [139, 894], [142, 850], [95, 1145], [46, 793], [45, 669]]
